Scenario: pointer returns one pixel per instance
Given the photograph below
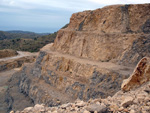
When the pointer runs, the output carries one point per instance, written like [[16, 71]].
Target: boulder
[[127, 101], [140, 75], [96, 107]]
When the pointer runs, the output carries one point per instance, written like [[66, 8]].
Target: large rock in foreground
[[140, 75]]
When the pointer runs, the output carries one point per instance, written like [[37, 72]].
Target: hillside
[[7, 53], [19, 34], [89, 60], [32, 45]]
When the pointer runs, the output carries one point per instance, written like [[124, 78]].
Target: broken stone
[[38, 107], [127, 101], [86, 111], [28, 109], [139, 76], [80, 104], [96, 107], [12, 112], [64, 106], [132, 111]]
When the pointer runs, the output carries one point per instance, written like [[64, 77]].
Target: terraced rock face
[[118, 34], [137, 100], [57, 78], [90, 58]]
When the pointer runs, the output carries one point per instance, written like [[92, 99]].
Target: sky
[[47, 16]]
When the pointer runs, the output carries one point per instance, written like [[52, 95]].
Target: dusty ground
[[20, 54]]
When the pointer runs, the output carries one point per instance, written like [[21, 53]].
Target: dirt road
[[20, 54], [126, 70]]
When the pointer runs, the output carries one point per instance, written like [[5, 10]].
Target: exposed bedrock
[[117, 33], [91, 57], [140, 75], [57, 78]]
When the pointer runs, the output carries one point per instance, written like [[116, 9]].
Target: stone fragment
[[146, 108], [12, 112], [96, 107], [127, 101], [114, 107], [28, 109], [54, 112], [53, 109], [125, 110], [80, 104], [140, 97], [132, 111], [121, 109], [64, 106], [140, 75], [38, 107], [86, 111]]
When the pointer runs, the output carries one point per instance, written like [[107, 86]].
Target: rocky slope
[[8, 67], [90, 58], [137, 100]]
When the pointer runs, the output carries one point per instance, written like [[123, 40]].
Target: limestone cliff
[[114, 33], [90, 58]]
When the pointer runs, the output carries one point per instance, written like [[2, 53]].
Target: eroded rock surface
[[117, 33], [140, 75], [134, 101], [89, 59]]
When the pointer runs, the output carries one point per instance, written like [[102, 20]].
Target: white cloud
[[65, 4], [42, 14], [110, 2], [32, 4], [138, 1]]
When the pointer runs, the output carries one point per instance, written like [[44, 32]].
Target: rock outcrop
[[89, 59], [136, 100], [140, 75], [117, 33]]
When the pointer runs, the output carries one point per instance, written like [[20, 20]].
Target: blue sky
[[47, 16]]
